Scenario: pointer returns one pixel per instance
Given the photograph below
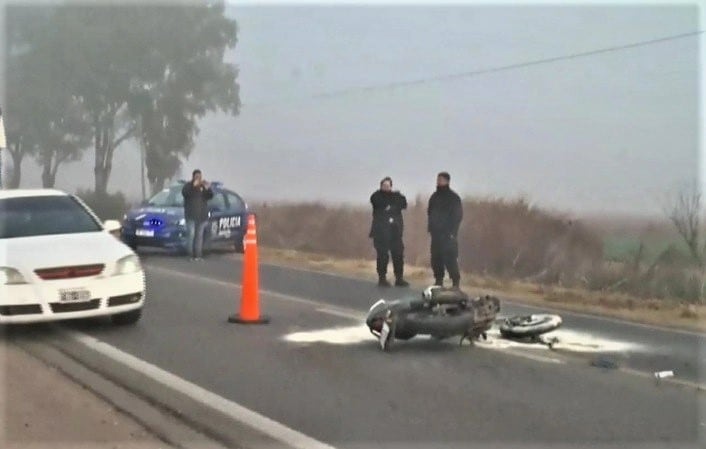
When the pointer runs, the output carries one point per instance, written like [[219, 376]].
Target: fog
[[611, 132]]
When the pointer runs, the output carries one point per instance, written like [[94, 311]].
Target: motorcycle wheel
[[525, 326]]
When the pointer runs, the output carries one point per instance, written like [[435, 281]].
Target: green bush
[[106, 206]]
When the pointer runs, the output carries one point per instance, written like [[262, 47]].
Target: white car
[[59, 262]]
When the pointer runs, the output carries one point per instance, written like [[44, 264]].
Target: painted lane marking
[[263, 424]]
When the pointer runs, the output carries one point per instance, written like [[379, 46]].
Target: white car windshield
[[168, 198], [44, 215]]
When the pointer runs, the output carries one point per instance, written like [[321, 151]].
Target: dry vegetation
[[506, 247]]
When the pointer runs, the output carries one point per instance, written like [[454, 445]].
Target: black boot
[[401, 283], [383, 282]]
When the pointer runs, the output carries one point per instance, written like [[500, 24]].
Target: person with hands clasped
[[386, 231]]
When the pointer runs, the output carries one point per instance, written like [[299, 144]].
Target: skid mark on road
[[354, 335], [334, 336], [569, 341], [342, 313]]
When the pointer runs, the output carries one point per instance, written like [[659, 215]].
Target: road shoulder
[[48, 400]]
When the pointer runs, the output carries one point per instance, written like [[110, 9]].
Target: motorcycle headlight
[[128, 265], [10, 276]]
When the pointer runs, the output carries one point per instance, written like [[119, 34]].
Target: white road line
[[341, 311], [518, 303], [235, 411]]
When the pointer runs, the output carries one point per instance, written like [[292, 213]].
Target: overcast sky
[[609, 132]]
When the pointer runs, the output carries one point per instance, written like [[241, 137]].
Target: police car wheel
[[239, 247]]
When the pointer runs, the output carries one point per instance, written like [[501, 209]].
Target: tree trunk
[[48, 178], [105, 145], [103, 165], [101, 174], [47, 163], [50, 166], [156, 185], [16, 173]]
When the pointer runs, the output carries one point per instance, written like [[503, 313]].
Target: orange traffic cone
[[250, 300]]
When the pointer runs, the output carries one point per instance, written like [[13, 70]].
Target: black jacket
[[387, 212], [196, 201], [444, 213]]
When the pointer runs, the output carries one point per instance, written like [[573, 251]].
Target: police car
[[160, 222]]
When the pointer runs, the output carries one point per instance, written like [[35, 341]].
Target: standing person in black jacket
[[196, 195], [445, 213], [386, 232]]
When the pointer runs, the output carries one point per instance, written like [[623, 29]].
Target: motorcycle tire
[[404, 335], [525, 326]]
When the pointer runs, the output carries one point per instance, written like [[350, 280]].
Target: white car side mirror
[[112, 226]]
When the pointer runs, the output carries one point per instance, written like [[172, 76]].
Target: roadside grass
[[662, 312]]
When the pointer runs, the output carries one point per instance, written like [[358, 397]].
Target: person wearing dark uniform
[[444, 213], [386, 232], [196, 195]]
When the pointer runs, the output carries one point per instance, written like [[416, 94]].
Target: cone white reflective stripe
[[3, 142]]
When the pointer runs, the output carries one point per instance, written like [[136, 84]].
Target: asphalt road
[[424, 394], [656, 349]]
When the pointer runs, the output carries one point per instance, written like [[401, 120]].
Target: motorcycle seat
[[448, 296]]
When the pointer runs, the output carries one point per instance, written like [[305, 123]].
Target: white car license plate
[[144, 232], [78, 295]]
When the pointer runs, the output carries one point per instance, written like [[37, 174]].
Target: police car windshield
[[168, 198], [44, 215]]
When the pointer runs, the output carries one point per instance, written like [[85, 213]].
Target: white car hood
[[29, 253]]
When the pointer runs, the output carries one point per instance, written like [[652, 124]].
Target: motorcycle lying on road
[[440, 313]]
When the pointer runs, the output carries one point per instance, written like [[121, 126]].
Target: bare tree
[[685, 213]]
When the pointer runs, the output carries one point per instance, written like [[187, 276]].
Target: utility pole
[[3, 145]]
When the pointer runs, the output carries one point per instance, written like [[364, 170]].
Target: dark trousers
[[444, 257], [386, 245]]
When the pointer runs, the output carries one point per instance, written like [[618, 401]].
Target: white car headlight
[[182, 222], [10, 276], [128, 265]]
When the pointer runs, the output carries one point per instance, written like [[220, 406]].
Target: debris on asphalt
[[602, 362], [659, 375]]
